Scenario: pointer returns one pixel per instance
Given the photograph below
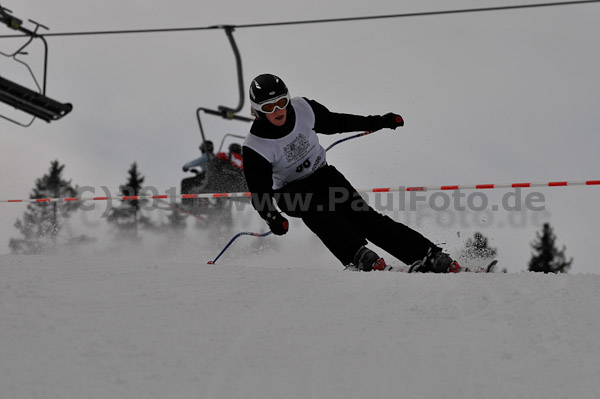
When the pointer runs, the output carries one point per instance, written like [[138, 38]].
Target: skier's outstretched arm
[[328, 122]]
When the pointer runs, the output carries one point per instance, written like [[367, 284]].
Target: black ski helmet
[[207, 145], [235, 148], [264, 88]]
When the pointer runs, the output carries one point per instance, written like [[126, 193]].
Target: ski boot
[[435, 262], [367, 260]]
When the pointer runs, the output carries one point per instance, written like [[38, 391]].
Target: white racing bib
[[296, 155]]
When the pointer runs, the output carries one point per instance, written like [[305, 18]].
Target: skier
[[235, 155], [283, 161], [234, 158], [206, 148], [190, 185]]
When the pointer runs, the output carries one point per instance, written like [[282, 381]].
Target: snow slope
[[118, 327]]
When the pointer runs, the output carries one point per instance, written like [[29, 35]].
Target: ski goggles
[[272, 105]]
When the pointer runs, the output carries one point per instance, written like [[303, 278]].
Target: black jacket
[[259, 171]]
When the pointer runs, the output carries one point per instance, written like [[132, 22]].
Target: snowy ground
[[101, 326]]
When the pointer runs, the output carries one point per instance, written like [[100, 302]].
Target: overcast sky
[[495, 97]]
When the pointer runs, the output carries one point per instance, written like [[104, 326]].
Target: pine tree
[[42, 222], [477, 249], [128, 216], [547, 258]]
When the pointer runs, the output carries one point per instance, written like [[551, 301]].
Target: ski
[[483, 269], [404, 269]]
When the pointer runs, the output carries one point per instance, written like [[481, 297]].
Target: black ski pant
[[333, 210]]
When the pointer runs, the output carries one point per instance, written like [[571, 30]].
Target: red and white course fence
[[362, 190]]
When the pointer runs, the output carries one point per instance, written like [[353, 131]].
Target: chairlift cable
[[420, 14], [315, 21]]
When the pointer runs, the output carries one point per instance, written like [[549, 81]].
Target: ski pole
[[398, 119], [348, 138], [235, 237]]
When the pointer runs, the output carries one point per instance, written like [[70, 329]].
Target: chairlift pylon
[[32, 102]]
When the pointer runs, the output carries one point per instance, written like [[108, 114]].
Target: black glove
[[391, 121], [185, 168], [277, 223]]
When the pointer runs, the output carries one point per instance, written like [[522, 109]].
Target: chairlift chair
[[220, 178], [32, 102]]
